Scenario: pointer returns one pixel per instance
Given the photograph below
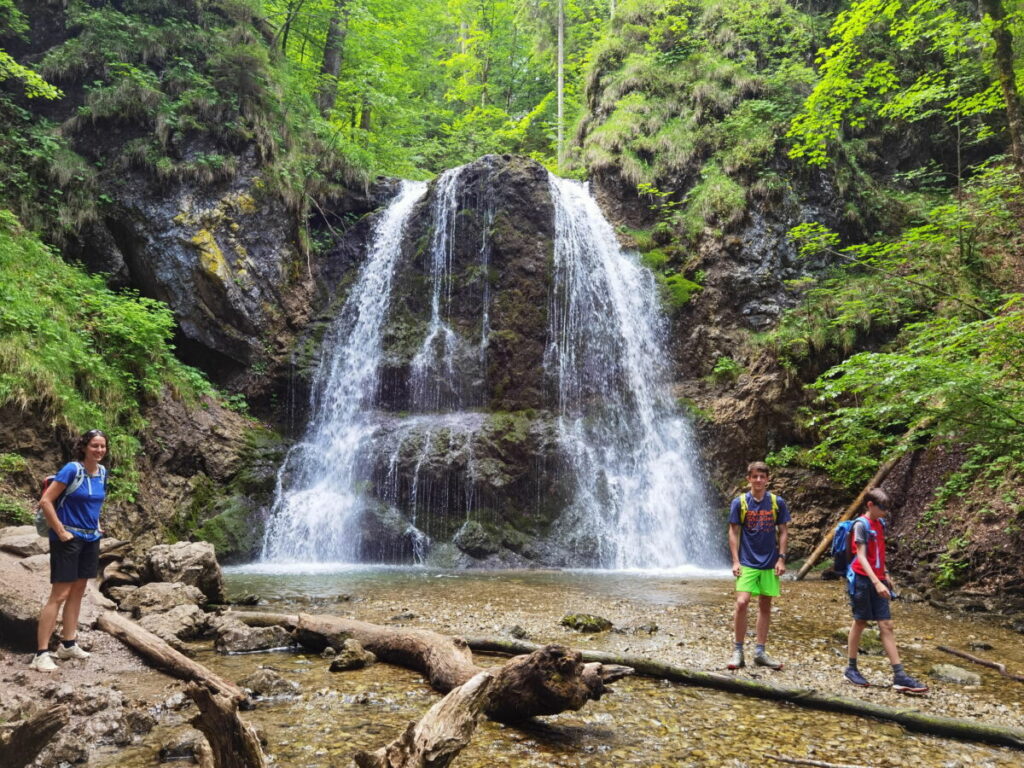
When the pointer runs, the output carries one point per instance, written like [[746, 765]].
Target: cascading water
[[609, 451], [317, 491], [639, 500]]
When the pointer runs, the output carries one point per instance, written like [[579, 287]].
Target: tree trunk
[[232, 743], [1003, 60], [440, 735], [560, 150], [164, 657], [551, 679], [27, 740], [967, 730], [327, 93]]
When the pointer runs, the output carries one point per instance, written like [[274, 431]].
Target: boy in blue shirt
[[758, 534]]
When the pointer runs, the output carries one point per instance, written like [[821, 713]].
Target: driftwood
[[440, 735], [164, 657], [967, 730], [233, 744], [808, 761], [1001, 668], [551, 679], [27, 740]]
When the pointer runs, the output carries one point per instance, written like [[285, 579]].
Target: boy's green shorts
[[758, 581]]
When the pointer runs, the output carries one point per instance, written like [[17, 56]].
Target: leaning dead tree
[[232, 743], [21, 746], [440, 735], [549, 680]]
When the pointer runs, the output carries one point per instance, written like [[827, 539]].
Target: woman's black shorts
[[73, 560]]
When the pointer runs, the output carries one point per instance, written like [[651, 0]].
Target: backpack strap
[[744, 508], [74, 485]]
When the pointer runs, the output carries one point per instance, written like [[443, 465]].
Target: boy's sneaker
[[74, 652], [764, 660], [853, 675], [43, 663], [906, 684], [736, 662]]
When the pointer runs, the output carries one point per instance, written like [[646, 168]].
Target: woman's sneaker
[[764, 660], [43, 663], [906, 684], [72, 652], [736, 662], [853, 675]]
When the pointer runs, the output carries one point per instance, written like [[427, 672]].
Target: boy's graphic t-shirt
[[759, 547]]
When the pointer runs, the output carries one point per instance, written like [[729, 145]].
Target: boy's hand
[[780, 567], [736, 569], [881, 589]]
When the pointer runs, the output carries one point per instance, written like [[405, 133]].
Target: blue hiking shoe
[[853, 675], [906, 684]]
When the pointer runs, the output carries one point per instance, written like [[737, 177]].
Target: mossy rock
[[477, 540], [234, 533], [586, 623], [870, 640]]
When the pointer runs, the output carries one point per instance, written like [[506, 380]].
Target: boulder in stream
[[951, 673]]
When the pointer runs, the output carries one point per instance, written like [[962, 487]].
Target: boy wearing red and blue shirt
[[758, 533], [870, 593]]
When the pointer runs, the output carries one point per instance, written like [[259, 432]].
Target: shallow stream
[[643, 722]]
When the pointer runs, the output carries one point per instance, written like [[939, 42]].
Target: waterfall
[[640, 501], [420, 456], [317, 489]]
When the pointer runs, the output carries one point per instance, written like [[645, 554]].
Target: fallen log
[[163, 656], [937, 725], [233, 744], [26, 741], [551, 679], [808, 761], [440, 734], [1000, 668]]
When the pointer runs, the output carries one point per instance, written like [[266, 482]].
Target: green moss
[[678, 291], [585, 622], [233, 532]]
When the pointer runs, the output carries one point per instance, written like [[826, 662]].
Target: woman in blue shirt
[[75, 533]]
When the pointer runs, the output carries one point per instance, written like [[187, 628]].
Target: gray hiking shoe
[[764, 660], [43, 663], [73, 652], [736, 662]]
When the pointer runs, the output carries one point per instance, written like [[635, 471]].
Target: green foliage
[[952, 563], [13, 511], [898, 60], [725, 370], [11, 463], [677, 290], [14, 24], [79, 354]]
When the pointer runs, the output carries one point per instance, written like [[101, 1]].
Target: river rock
[[161, 596], [950, 673], [235, 637], [352, 656], [25, 543], [36, 563], [182, 746], [585, 622], [190, 562], [269, 682], [870, 640], [18, 617], [182, 622]]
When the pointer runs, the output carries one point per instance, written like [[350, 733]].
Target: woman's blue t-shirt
[[81, 509]]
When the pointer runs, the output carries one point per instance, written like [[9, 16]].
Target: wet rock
[[182, 622], [183, 746], [518, 632], [193, 563], [404, 616], [328, 653], [352, 656], [247, 600], [950, 673], [646, 629], [979, 646], [585, 622], [159, 597], [232, 636], [269, 682], [23, 544], [476, 541]]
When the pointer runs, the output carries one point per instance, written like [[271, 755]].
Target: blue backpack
[[842, 543]]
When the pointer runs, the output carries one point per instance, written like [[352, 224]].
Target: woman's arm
[[46, 503]]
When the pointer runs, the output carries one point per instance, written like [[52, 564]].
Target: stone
[[24, 544], [352, 656], [193, 563], [269, 682], [870, 640], [518, 632], [235, 637], [475, 540], [182, 746], [161, 596], [18, 617], [586, 623], [950, 673], [119, 594], [36, 563], [182, 622], [646, 629]]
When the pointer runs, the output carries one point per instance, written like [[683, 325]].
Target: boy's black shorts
[[73, 560], [866, 603]]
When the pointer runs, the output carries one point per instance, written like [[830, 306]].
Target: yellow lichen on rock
[[211, 258]]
